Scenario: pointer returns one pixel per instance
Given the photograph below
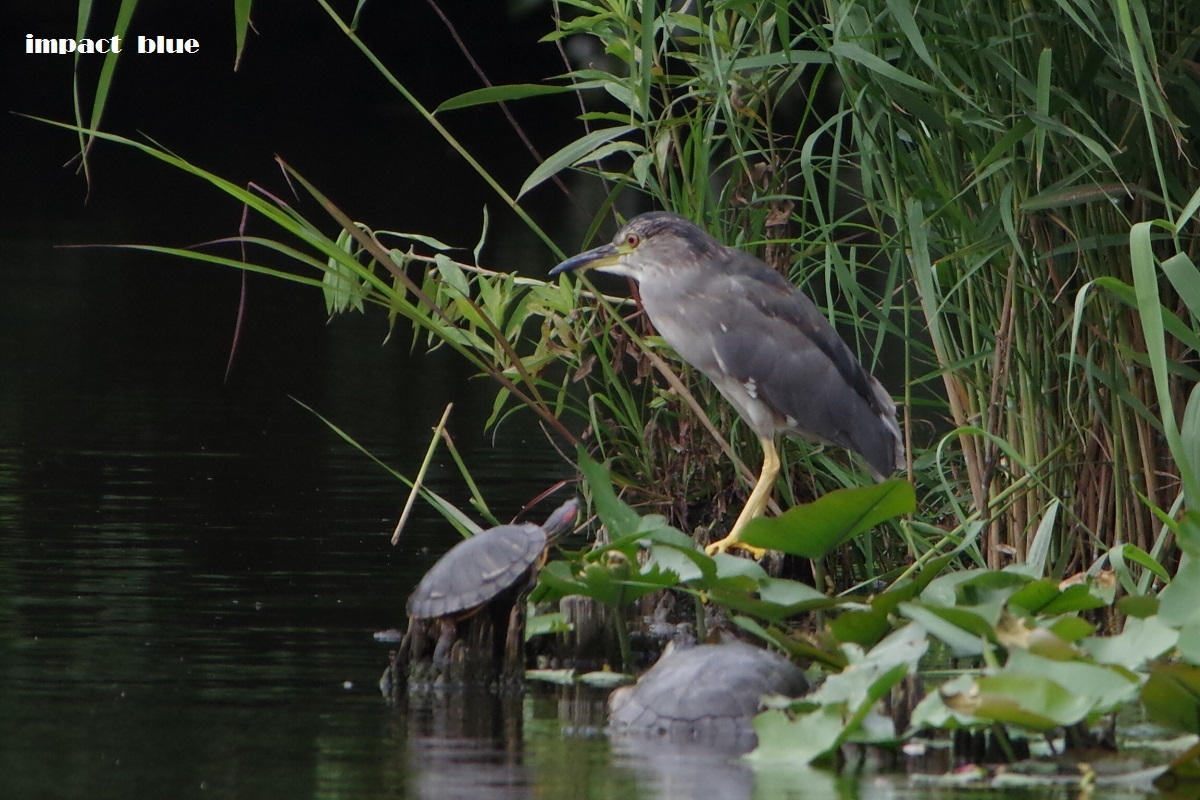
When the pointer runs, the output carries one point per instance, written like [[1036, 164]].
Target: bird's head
[[648, 243]]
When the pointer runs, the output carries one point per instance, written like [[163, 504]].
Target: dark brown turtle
[[708, 694], [478, 569]]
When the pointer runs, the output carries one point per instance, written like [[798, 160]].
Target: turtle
[[707, 693], [479, 568]]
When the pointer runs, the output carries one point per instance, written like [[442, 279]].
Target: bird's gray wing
[[773, 338]]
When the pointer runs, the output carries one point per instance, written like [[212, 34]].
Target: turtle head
[[563, 519]]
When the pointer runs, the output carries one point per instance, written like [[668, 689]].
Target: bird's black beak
[[606, 255]]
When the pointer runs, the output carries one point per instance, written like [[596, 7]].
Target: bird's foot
[[732, 542]]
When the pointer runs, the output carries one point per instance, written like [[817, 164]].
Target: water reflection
[[674, 771], [469, 744]]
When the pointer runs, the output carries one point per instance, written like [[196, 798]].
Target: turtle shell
[[477, 569], [709, 693]]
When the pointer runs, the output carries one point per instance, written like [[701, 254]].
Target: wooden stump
[[488, 650]]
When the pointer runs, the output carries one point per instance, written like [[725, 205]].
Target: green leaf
[[733, 567], [1033, 597], [1071, 629], [1171, 697], [241, 23], [1140, 641], [501, 94], [1123, 554], [619, 518], [861, 627], [1189, 643], [1039, 549], [942, 710], [1179, 601], [1140, 606], [1189, 434], [452, 274], [572, 153], [1145, 281], [877, 65], [429, 241], [803, 740], [685, 563], [788, 593], [1074, 598], [743, 598], [542, 624], [612, 584], [1061, 197], [872, 675], [813, 529], [1030, 701], [963, 631], [1102, 687], [107, 70]]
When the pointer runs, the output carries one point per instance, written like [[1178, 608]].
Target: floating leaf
[[560, 677], [542, 624], [604, 679]]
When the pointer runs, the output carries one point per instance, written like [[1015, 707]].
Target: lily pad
[[605, 679], [559, 677]]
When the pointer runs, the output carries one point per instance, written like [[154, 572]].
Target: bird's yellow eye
[[632, 240]]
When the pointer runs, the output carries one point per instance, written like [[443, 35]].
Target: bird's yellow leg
[[756, 503]]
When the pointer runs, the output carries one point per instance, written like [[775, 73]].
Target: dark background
[[302, 91]]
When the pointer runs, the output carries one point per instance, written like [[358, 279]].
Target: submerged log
[[483, 649]]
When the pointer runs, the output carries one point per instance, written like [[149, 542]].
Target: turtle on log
[[495, 567]]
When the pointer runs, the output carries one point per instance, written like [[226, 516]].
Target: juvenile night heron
[[765, 345]]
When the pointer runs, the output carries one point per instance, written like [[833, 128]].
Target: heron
[[762, 342]]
